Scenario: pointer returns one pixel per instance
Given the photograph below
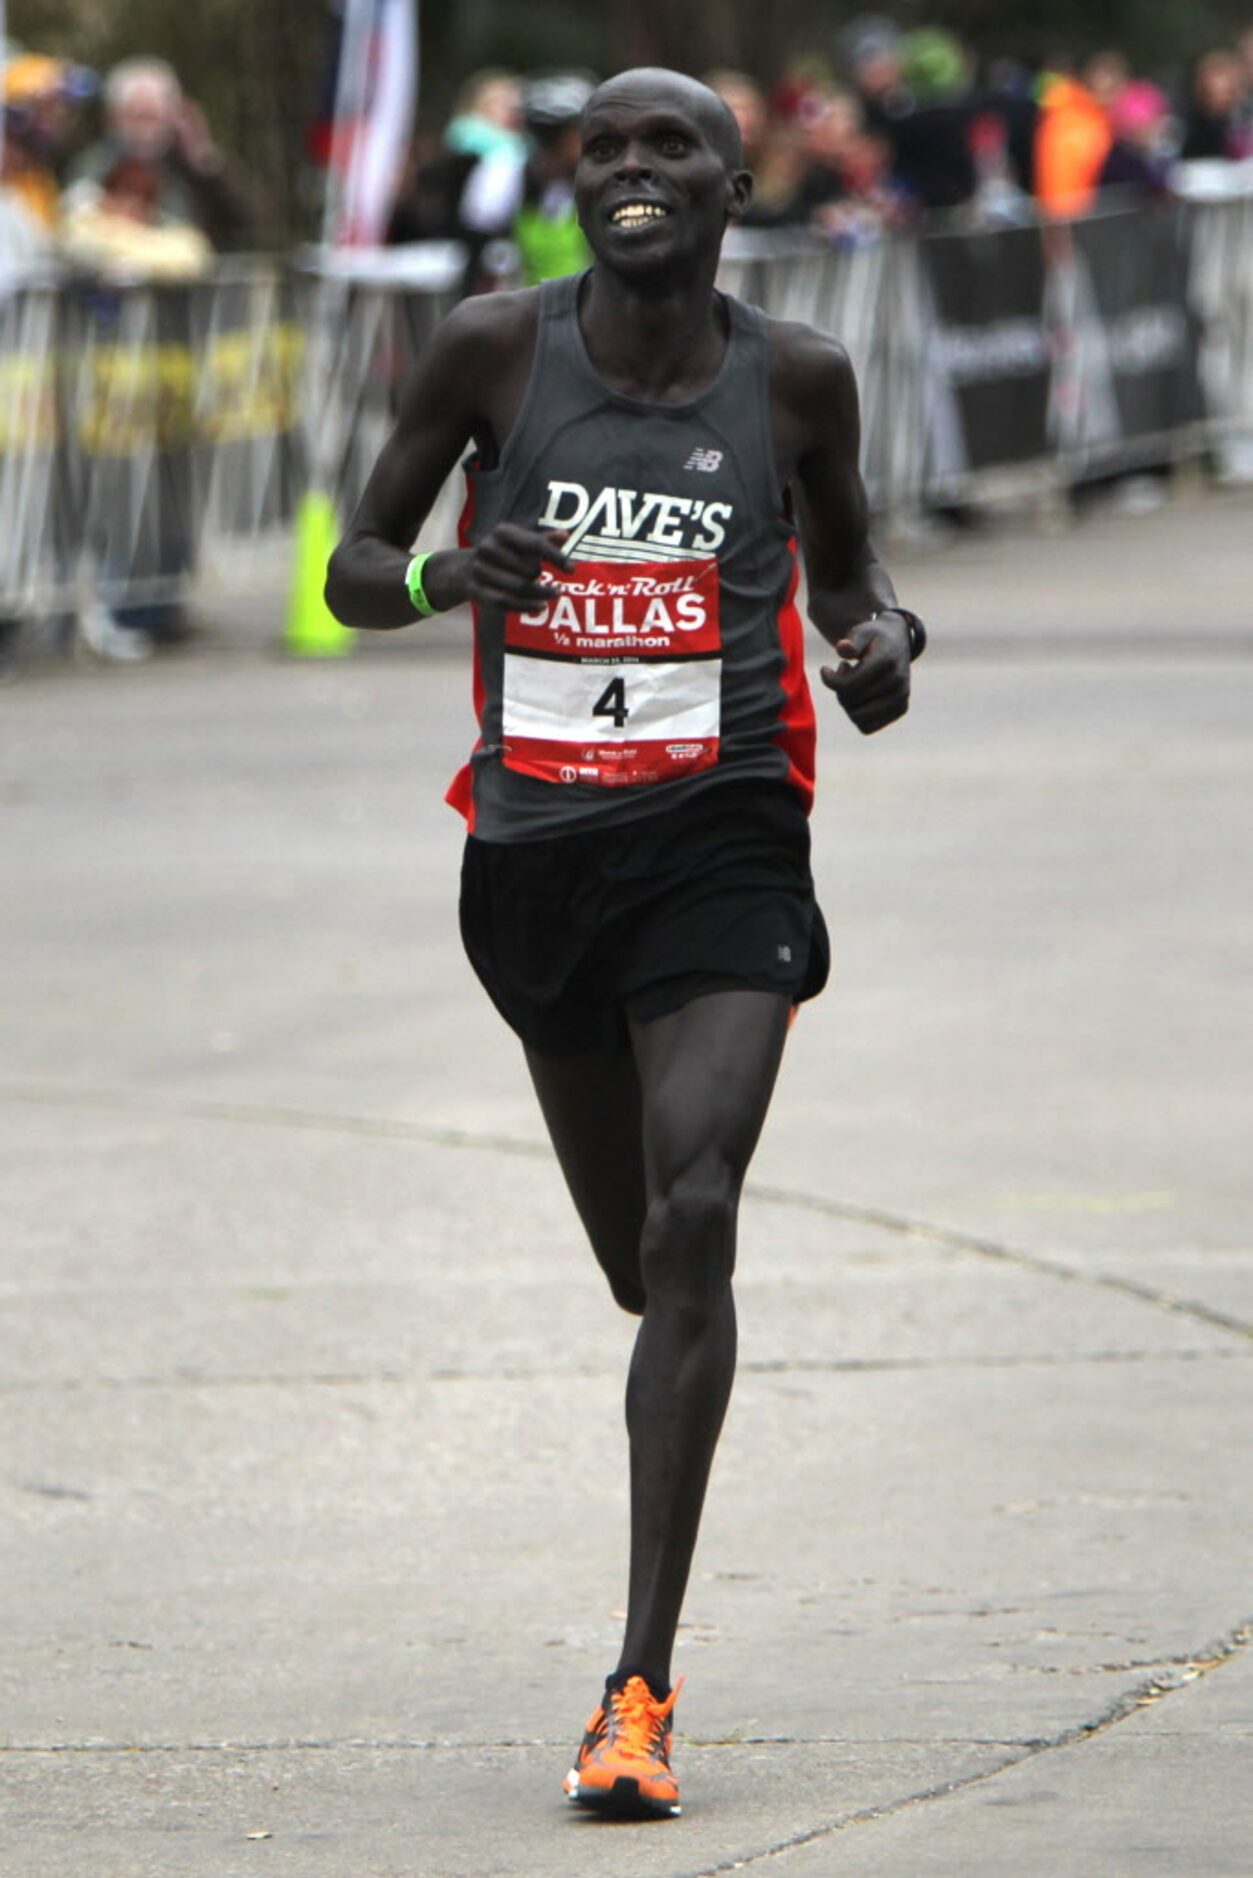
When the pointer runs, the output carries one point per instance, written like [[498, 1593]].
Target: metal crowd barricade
[[1002, 360], [369, 321], [129, 370], [141, 426], [1220, 289], [144, 430], [844, 291], [249, 340], [32, 570]]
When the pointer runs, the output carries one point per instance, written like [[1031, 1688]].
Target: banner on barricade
[[130, 385], [32, 511], [1135, 336], [986, 352]]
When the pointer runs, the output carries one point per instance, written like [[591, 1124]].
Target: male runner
[[636, 893]]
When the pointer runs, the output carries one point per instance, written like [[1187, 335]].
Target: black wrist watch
[[913, 626]]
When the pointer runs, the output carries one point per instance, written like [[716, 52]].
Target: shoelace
[[639, 1718]]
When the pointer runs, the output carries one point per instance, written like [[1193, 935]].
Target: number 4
[[612, 703]]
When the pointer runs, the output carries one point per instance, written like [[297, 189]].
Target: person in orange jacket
[[1073, 135]]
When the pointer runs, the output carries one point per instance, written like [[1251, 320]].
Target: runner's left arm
[[847, 583]]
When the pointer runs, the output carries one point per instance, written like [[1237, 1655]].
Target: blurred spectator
[[486, 135], [150, 120], [1073, 138], [1105, 75], [1139, 156], [488, 117], [39, 97], [846, 192], [772, 150], [1009, 94], [915, 94], [469, 184], [746, 101], [829, 133], [871, 47], [932, 160], [117, 228], [430, 194], [546, 228], [40, 94], [1216, 120], [999, 199], [149, 203], [487, 128]]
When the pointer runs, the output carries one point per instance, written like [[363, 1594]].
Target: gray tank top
[[669, 657]]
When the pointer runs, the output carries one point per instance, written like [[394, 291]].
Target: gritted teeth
[[635, 214]]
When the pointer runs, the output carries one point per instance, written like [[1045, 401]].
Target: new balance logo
[[704, 460]]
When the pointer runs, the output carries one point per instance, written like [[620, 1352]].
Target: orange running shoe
[[623, 1762]]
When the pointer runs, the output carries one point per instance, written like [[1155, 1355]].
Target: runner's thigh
[[707, 1072]]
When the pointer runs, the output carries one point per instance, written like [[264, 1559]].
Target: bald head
[[658, 88]]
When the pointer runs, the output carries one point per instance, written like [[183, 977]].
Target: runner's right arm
[[479, 345]]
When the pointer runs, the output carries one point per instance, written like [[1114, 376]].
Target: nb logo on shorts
[[784, 954], [704, 460]]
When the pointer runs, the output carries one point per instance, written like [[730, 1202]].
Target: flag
[[4, 59], [321, 129], [375, 96]]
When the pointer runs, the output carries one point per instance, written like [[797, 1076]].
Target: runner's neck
[[661, 348]]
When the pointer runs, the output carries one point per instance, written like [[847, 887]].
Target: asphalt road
[[312, 1476]]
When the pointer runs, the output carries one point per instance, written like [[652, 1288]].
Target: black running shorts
[[574, 934]]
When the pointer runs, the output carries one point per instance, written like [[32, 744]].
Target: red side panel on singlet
[[798, 731], [460, 792]]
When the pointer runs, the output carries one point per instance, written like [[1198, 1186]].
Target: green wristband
[[417, 592]]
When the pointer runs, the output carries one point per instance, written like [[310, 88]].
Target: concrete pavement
[[312, 1489]]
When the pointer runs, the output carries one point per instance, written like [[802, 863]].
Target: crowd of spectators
[[156, 192], [152, 197], [895, 126], [888, 127]]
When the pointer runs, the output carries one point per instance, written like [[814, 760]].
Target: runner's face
[[651, 187]]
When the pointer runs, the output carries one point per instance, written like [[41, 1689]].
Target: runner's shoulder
[[486, 329], [810, 372]]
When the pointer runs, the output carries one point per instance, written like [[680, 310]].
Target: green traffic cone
[[312, 631]]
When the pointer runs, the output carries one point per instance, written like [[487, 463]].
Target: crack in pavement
[[1170, 1674], [1141, 1695], [504, 1372], [995, 1249], [1173, 1674], [380, 1129], [446, 1744]]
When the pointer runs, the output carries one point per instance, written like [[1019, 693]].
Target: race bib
[[617, 678]]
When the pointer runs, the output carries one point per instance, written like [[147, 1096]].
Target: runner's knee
[[687, 1252]]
